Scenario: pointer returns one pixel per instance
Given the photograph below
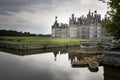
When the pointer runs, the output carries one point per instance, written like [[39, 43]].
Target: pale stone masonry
[[59, 30], [82, 27]]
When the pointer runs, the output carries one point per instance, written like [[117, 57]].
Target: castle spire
[[73, 16], [89, 11], [92, 14], [56, 19]]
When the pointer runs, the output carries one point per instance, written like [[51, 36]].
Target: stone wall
[[111, 58], [36, 46], [11, 45]]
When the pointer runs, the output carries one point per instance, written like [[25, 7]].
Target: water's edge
[[36, 46]]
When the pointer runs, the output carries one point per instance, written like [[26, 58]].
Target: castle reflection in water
[[71, 51], [110, 73]]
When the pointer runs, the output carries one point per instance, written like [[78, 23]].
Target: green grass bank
[[40, 40]]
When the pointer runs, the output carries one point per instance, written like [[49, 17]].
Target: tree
[[113, 23]]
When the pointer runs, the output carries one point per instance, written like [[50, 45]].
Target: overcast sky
[[37, 16]]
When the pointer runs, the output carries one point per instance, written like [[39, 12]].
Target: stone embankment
[[112, 58], [36, 46]]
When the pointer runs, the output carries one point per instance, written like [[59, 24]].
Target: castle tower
[[89, 12], [56, 19], [73, 16], [72, 27], [72, 20], [95, 12], [54, 27], [92, 14], [56, 24], [89, 17]]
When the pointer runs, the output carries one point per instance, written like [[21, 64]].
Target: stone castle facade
[[82, 27]]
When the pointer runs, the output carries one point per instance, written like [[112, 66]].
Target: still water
[[48, 65]]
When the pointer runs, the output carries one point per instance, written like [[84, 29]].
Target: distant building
[[82, 27]]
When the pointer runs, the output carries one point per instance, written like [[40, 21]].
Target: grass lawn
[[39, 40]]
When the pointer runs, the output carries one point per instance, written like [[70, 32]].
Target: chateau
[[82, 27]]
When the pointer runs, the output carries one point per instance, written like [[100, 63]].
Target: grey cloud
[[20, 5], [16, 6], [27, 5], [22, 21], [6, 13]]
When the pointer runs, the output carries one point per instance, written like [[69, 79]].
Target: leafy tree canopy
[[113, 22]]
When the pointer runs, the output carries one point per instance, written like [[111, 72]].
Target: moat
[[51, 64]]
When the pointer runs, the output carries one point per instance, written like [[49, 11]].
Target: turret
[[92, 14], [72, 20], [56, 24], [89, 17], [95, 12], [89, 12], [56, 19], [73, 16]]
